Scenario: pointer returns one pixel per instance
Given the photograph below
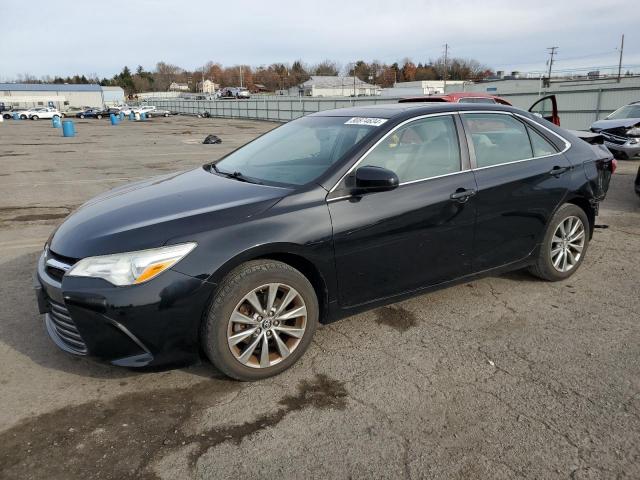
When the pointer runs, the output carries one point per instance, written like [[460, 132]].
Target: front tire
[[564, 246], [99, 117], [35, 117], [261, 320]]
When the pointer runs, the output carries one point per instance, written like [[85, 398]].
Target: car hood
[[147, 214], [617, 123]]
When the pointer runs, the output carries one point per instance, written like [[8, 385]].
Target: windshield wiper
[[235, 175]]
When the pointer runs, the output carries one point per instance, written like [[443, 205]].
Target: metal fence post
[[598, 102]]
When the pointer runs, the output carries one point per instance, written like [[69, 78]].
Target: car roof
[[453, 97], [408, 110]]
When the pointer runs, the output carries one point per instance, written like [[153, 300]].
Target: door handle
[[462, 195], [556, 171]]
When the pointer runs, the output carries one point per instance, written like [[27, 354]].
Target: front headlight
[[133, 267], [634, 131]]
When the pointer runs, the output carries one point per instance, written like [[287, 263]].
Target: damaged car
[[621, 131]]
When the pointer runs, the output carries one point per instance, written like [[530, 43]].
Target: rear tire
[[232, 315], [99, 117], [35, 117], [562, 251], [81, 116]]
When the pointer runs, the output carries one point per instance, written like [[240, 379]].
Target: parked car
[[239, 93], [621, 131], [125, 109], [331, 214], [545, 107], [7, 114], [152, 111], [41, 112], [93, 113]]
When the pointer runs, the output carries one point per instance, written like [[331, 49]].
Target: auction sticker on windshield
[[374, 122]]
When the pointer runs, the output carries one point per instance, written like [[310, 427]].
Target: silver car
[[621, 131]]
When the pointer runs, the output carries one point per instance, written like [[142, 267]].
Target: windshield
[[628, 111], [297, 152]]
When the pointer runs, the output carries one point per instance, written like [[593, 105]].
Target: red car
[[546, 107]]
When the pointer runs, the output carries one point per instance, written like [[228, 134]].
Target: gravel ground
[[503, 377]]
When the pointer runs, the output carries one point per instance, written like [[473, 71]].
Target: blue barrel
[[132, 116], [143, 116], [16, 116], [55, 122], [68, 129], [121, 116], [114, 119]]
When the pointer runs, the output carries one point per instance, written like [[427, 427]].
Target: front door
[[519, 173], [417, 235], [547, 108]]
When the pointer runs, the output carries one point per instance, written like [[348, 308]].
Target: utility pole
[[446, 55], [620, 61], [552, 52], [241, 76]]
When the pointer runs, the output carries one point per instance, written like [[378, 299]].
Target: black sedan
[[328, 215], [93, 113]]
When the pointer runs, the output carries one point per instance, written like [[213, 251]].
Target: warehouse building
[[422, 87], [334, 86], [61, 96]]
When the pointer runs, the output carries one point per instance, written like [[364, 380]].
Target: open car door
[[547, 108]]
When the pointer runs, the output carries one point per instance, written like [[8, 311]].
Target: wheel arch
[[292, 256], [589, 210]]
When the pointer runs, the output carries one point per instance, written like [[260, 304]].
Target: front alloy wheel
[[267, 325], [261, 320]]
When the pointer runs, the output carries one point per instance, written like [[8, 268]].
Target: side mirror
[[375, 179]]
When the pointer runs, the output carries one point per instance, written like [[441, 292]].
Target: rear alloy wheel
[[565, 244], [261, 320], [81, 116], [99, 117]]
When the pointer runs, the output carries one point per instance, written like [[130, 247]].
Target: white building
[[422, 87], [178, 87], [208, 86], [61, 96], [334, 86]]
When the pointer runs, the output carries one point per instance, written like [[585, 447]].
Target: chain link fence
[[578, 108]]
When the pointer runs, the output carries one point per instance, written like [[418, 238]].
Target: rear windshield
[[299, 151], [628, 111]]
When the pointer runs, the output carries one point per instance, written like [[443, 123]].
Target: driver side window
[[419, 150]]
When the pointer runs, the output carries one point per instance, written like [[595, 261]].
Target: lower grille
[[65, 328]]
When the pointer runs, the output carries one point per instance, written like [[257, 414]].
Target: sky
[[65, 37]]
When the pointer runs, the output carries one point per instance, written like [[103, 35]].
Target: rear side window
[[497, 138], [541, 145], [421, 149]]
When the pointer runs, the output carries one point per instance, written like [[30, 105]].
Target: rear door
[[414, 236], [547, 108], [521, 176]]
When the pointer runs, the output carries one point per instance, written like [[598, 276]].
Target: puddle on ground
[[119, 438], [396, 317]]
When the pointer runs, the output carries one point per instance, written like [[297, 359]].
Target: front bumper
[[630, 149], [151, 324]]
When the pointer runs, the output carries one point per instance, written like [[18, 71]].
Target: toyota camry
[[341, 211]]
